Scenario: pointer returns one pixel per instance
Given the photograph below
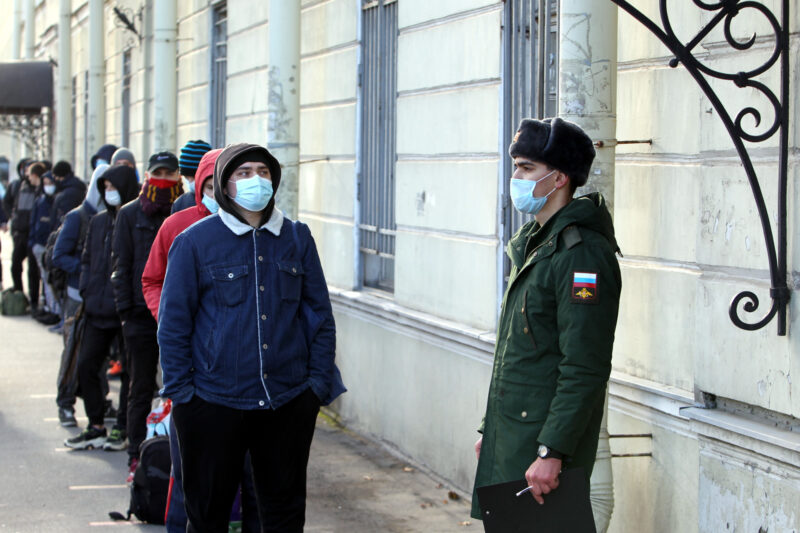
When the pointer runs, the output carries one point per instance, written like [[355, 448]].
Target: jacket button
[[230, 275], [265, 346], [294, 270], [261, 403], [524, 414], [260, 258], [525, 330], [265, 375], [261, 288], [535, 254], [550, 243], [263, 317], [523, 308]]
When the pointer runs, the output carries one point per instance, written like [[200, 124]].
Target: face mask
[[253, 193], [188, 185], [210, 204], [523, 198], [113, 198], [49, 190]]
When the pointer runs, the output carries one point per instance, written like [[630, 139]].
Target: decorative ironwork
[[725, 12], [33, 130], [124, 19]]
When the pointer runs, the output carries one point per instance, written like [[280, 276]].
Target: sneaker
[[47, 318], [132, 470], [111, 413], [115, 369], [89, 439], [67, 417], [116, 441]]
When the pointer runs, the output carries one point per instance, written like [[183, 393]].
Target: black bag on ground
[[150, 482], [14, 303]]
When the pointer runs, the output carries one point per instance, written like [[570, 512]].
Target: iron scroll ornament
[[726, 12]]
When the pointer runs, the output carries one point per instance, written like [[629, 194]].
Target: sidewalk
[[354, 485]]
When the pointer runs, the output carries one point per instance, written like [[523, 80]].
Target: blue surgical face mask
[[523, 198], [49, 190], [188, 185], [112, 198], [210, 204], [253, 193]]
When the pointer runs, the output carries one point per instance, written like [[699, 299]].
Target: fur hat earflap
[[562, 145]]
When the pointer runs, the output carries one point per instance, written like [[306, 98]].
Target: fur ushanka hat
[[562, 145]]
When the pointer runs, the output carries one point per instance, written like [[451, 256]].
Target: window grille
[[530, 84], [378, 143], [219, 73], [125, 99]]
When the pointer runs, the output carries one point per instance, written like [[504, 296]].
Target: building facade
[[406, 109]]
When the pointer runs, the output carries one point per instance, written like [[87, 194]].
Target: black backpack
[[150, 482], [56, 277]]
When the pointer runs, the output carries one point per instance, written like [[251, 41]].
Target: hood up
[[205, 170], [223, 170], [104, 152], [94, 195], [123, 179]]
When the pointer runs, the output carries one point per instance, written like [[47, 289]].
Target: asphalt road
[[354, 485]]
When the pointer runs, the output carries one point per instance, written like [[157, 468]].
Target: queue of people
[[195, 268]]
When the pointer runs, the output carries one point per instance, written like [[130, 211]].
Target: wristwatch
[[549, 453]]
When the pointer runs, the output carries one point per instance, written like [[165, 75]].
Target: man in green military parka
[[556, 331]]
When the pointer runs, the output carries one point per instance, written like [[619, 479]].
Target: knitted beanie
[[191, 154]]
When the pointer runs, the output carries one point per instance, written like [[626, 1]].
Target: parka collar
[[273, 225]]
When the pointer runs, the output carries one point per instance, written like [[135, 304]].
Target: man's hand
[[542, 477], [478, 447]]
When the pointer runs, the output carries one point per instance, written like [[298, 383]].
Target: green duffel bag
[[14, 303]]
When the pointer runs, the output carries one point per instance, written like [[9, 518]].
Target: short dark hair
[[62, 169], [37, 168]]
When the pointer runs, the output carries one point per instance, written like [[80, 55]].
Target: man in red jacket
[[156, 267]]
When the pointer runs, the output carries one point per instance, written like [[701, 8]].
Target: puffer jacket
[[71, 192], [95, 282], [41, 223], [245, 318]]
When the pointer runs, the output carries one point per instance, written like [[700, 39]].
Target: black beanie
[[562, 145]]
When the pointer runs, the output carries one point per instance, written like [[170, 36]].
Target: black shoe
[[48, 319], [67, 417], [89, 439]]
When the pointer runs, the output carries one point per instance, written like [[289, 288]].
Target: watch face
[[543, 450]]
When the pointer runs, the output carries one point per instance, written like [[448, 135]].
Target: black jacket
[[134, 233], [95, 282], [70, 194], [19, 202]]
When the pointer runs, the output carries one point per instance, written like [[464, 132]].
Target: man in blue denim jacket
[[247, 342]]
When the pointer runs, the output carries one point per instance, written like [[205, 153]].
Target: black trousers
[[18, 255], [93, 353], [142, 344], [213, 441]]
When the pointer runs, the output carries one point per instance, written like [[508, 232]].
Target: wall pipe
[[97, 73], [64, 138], [30, 34], [283, 130], [587, 96], [165, 77]]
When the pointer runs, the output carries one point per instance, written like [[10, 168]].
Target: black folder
[[565, 510]]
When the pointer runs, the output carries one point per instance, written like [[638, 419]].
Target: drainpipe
[[15, 42], [30, 36], [165, 66], [147, 52], [97, 73], [587, 94], [64, 138], [283, 130]]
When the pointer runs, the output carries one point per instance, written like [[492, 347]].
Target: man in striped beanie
[[191, 153]]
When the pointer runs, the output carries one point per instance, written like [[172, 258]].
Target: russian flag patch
[[584, 287]]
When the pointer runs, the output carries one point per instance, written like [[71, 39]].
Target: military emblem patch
[[584, 287]]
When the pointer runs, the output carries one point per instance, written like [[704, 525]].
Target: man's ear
[[562, 180]]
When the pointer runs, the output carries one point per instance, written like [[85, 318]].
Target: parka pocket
[[291, 280], [526, 328], [230, 283]]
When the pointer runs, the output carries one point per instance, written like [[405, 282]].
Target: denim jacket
[[245, 319]]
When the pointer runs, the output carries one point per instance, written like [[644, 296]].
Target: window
[[219, 72], [530, 83], [378, 144], [126, 98]]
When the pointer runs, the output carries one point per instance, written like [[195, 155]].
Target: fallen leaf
[[439, 486], [407, 469], [453, 495], [465, 523], [368, 478]]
